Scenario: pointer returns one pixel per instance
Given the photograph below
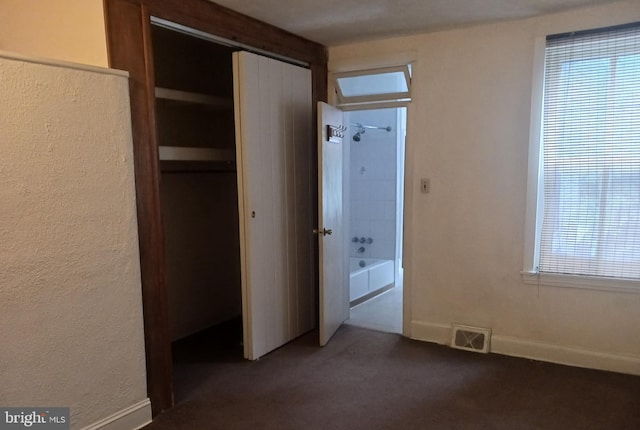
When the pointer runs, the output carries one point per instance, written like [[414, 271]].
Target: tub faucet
[[361, 250]]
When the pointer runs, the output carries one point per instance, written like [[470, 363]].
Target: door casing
[[130, 48]]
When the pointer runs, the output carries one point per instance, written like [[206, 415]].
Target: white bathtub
[[375, 275]]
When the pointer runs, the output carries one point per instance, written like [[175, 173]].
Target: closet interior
[[198, 185]]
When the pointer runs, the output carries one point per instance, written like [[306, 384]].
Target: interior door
[[274, 136], [334, 292]]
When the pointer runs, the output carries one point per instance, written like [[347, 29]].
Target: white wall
[[373, 170], [468, 131], [71, 330], [69, 30]]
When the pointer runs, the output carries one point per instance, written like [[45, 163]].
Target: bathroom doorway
[[374, 216]]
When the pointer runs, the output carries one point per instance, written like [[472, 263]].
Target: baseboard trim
[[131, 418], [431, 332], [524, 348], [571, 356]]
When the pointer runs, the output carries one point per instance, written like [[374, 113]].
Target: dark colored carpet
[[369, 380]]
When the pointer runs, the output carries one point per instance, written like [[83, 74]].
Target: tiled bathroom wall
[[373, 172]]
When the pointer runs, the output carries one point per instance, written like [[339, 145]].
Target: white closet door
[[273, 142]]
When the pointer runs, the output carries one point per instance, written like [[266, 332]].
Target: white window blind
[[591, 154]]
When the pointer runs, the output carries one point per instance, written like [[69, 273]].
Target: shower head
[[359, 133]]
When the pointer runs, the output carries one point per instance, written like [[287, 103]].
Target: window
[[588, 189], [363, 87]]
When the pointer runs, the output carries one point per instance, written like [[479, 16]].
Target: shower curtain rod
[[359, 125]]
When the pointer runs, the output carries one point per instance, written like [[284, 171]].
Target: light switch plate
[[425, 185]]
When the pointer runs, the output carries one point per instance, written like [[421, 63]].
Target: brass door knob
[[324, 232]]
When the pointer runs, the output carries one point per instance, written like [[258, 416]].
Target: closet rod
[[183, 171]]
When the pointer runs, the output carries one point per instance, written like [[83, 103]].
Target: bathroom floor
[[382, 313]]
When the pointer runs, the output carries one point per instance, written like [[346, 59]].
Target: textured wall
[[71, 330], [468, 131], [69, 30]]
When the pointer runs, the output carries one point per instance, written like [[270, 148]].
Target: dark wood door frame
[[130, 48]]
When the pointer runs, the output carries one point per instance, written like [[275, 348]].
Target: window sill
[[582, 282]]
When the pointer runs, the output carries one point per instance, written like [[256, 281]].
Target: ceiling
[[336, 22]]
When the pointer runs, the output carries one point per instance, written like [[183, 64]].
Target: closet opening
[[131, 47], [199, 201]]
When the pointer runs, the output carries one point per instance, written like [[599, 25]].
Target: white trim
[[376, 105], [534, 196], [582, 282], [372, 62], [525, 348], [431, 332], [132, 418], [571, 356], [407, 231], [64, 64]]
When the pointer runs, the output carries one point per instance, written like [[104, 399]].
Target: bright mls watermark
[[34, 418]]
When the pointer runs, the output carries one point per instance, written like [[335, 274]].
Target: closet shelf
[[183, 153], [193, 98]]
